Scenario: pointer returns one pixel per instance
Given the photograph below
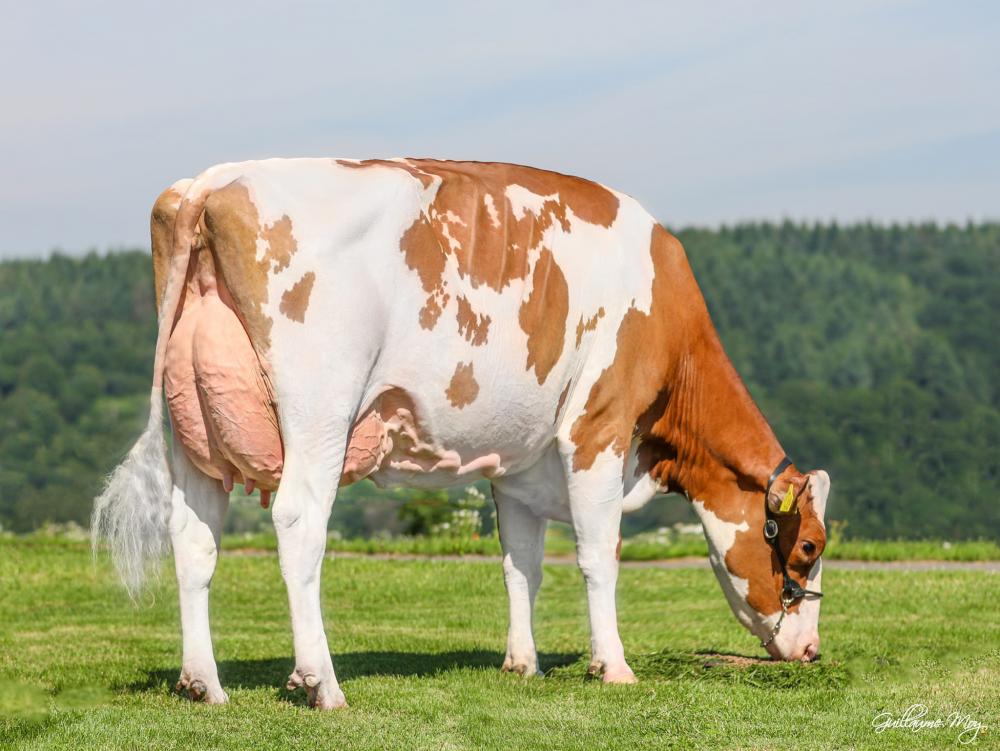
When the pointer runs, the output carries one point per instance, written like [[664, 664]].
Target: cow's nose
[[811, 651]]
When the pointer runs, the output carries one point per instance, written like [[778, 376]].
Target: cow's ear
[[819, 490], [786, 492]]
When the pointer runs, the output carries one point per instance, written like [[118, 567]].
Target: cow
[[431, 323]]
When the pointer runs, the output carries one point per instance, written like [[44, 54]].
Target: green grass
[[418, 644]]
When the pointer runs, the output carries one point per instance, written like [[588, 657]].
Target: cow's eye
[[808, 547]]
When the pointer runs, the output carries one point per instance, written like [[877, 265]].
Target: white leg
[[522, 536], [596, 505], [301, 511], [199, 506]]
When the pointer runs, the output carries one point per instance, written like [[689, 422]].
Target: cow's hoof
[[619, 674], [524, 668], [320, 694], [200, 689]]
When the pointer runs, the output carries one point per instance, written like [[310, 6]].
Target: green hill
[[872, 350]]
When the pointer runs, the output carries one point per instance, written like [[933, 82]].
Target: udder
[[220, 406]]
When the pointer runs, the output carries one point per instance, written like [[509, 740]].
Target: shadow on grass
[[270, 673], [667, 665], [722, 667]]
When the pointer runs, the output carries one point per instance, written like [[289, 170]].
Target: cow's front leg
[[301, 511], [522, 536], [595, 496], [199, 506]]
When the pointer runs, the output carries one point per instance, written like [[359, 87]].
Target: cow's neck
[[704, 436]]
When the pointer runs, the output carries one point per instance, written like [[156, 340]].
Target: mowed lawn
[[418, 646]]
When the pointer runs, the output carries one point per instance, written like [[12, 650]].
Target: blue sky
[[708, 113]]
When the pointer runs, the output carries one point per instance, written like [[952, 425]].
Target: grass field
[[418, 644], [641, 548]]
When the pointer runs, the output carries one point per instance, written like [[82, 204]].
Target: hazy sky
[[706, 112]]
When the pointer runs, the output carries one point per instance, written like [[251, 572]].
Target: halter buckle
[[770, 529]]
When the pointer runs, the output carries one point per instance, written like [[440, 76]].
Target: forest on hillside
[[872, 351]]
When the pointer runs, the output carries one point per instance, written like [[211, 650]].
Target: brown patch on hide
[[463, 388], [543, 315], [472, 219], [281, 243], [489, 241], [161, 230], [475, 329], [587, 200], [424, 255], [588, 325], [423, 177], [295, 301], [232, 225], [431, 310], [562, 400]]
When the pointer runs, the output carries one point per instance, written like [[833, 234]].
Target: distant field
[[641, 549], [418, 645]]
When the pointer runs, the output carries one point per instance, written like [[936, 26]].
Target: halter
[[791, 591]]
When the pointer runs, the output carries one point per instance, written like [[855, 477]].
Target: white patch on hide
[[491, 209], [721, 536], [523, 200]]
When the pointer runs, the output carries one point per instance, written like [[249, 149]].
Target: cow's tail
[[133, 512]]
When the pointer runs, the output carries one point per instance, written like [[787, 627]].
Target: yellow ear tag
[[788, 501]]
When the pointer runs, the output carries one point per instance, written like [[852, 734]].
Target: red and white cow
[[428, 323]]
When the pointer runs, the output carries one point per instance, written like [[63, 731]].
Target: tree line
[[872, 350]]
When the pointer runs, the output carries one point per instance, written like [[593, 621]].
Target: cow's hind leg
[[199, 506], [522, 536], [595, 497], [301, 511]]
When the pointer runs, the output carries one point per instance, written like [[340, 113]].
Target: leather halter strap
[[782, 466]]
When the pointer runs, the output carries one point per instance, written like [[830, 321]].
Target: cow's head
[[748, 567]]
